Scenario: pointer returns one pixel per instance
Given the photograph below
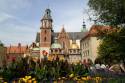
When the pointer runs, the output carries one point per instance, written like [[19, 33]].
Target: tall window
[[44, 39]]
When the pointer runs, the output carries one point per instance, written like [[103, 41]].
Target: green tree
[[112, 13], [1, 44], [112, 46]]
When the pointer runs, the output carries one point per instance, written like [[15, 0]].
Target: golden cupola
[[74, 45]]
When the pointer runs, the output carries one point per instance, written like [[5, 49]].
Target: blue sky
[[20, 19]]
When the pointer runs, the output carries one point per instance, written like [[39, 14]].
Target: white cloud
[[14, 30], [4, 17], [14, 5]]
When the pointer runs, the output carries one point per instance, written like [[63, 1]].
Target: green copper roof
[[56, 44], [36, 48]]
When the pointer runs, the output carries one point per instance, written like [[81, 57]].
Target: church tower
[[46, 29], [46, 33], [83, 27]]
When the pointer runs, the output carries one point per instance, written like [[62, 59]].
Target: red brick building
[[16, 52]]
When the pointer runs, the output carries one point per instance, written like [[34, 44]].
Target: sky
[[20, 19]]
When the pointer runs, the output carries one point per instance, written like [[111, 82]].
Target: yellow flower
[[75, 78], [84, 78], [71, 75], [27, 77], [25, 80], [88, 78], [35, 81], [55, 82], [97, 79], [29, 81]]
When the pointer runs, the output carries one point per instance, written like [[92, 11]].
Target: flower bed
[[55, 71], [29, 79]]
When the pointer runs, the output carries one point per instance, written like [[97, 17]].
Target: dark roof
[[76, 35], [38, 37], [72, 35]]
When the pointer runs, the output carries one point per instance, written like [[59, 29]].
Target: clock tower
[[46, 32], [46, 29]]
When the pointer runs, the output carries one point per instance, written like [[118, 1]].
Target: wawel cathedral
[[63, 45]]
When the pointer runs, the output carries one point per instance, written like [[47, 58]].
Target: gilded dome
[[74, 45]]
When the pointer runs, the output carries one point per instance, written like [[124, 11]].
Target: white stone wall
[[74, 58], [89, 48]]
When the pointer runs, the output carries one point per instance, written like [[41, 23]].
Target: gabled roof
[[72, 35], [96, 28], [93, 32]]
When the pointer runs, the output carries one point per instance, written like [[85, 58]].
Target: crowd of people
[[117, 69]]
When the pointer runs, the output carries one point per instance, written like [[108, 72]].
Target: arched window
[[45, 31], [44, 39]]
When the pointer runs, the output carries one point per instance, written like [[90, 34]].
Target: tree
[[112, 46], [1, 44], [112, 13]]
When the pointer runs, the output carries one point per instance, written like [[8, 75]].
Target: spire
[[63, 29], [83, 27], [47, 20], [47, 15]]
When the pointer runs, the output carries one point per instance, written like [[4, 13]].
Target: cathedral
[[73, 47], [63, 45]]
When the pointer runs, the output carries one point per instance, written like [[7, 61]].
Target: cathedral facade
[[60, 44]]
